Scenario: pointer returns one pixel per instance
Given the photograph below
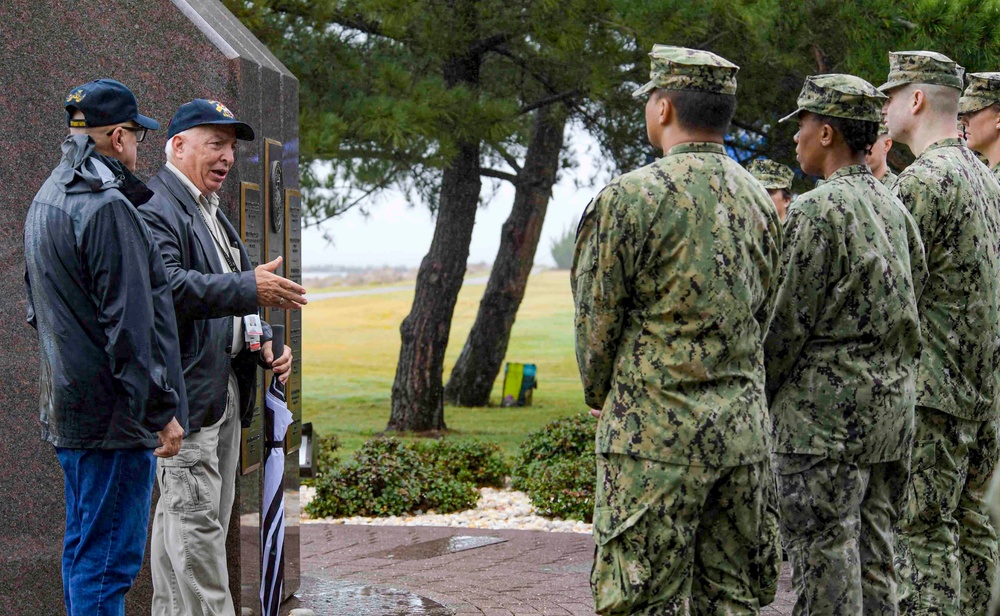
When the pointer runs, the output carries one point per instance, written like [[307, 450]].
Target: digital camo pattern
[[680, 68], [841, 353], [946, 543], [837, 521], [839, 96], [956, 203], [983, 90], [669, 534], [889, 179], [771, 174], [672, 278], [928, 67]]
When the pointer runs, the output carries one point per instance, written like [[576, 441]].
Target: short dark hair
[[787, 194], [859, 135], [708, 111]]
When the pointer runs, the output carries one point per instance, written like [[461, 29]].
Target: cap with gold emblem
[[929, 67], [839, 96], [104, 102], [203, 111], [772, 174], [680, 68], [983, 91]]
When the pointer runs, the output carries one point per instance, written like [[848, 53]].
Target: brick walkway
[[532, 572]]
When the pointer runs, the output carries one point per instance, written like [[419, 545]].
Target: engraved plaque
[[293, 318], [252, 221], [252, 231]]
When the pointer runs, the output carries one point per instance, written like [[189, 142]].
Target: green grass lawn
[[351, 346]]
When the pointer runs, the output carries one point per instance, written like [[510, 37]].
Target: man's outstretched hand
[[273, 291]]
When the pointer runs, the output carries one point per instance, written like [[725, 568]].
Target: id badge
[[252, 331]]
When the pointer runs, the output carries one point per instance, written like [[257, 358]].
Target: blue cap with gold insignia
[[104, 102], [202, 111]]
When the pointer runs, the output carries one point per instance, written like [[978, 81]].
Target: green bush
[[563, 248], [387, 477], [563, 488], [555, 466], [477, 462]]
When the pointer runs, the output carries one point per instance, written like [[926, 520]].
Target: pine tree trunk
[[479, 363], [417, 402]]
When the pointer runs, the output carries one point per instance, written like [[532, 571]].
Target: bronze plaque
[[252, 232], [293, 318]]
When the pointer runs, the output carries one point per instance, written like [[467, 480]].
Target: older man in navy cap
[[112, 391], [217, 295]]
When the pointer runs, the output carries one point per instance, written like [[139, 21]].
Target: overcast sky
[[397, 234]]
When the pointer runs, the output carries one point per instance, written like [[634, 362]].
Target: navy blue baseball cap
[[202, 111], [104, 102]]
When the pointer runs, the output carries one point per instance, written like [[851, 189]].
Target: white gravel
[[497, 509]]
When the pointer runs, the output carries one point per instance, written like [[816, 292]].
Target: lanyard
[[226, 252]]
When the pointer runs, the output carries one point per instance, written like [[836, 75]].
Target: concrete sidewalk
[[409, 570]]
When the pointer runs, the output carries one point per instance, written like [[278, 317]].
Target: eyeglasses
[[140, 133]]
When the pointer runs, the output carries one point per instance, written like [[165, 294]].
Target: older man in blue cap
[[217, 295], [112, 391]]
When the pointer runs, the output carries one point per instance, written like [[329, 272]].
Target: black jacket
[[99, 297], [207, 295]]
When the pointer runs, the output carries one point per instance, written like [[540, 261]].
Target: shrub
[[382, 478], [326, 453], [556, 467], [563, 248], [477, 462], [387, 477], [564, 488]]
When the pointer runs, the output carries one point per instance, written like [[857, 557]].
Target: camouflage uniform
[[841, 358], [947, 547], [888, 178], [982, 92], [673, 269]]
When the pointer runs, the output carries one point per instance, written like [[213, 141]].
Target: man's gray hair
[[168, 149]]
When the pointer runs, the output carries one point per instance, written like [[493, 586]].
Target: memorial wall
[[168, 52]]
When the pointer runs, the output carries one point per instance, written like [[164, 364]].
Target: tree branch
[[500, 175], [555, 98], [507, 157]]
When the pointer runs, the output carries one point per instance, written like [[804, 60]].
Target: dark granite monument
[[167, 52]]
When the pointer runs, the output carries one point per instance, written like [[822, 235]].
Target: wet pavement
[[441, 571]]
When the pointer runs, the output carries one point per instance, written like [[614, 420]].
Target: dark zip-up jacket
[[206, 295], [98, 295]]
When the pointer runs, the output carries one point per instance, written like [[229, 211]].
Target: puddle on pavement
[[341, 598], [436, 547]]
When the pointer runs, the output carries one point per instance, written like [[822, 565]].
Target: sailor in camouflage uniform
[[979, 110], [672, 279], [776, 180], [876, 159], [841, 358], [947, 547]]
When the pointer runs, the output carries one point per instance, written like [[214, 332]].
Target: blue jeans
[[108, 496]]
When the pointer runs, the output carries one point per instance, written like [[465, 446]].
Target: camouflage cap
[[983, 91], [883, 129], [680, 68], [772, 174], [928, 67], [839, 96]]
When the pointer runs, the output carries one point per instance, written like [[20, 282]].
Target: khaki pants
[[188, 545]]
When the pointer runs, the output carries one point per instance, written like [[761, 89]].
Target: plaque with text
[[293, 318], [252, 232], [252, 220]]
